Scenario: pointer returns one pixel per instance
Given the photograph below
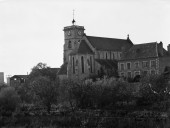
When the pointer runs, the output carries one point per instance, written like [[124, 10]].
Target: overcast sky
[[31, 31]]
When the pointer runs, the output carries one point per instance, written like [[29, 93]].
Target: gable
[[82, 49]]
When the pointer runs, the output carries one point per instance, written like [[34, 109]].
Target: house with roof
[[85, 55], [144, 59], [18, 79]]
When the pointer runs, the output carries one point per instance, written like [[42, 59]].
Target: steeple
[[73, 21]]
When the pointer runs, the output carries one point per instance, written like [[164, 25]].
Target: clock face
[[69, 33], [79, 33]]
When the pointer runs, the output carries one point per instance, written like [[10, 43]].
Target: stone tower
[[72, 36]]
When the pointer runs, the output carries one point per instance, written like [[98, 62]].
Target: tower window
[[106, 55], [69, 44]]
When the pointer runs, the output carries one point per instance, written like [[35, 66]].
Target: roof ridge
[[105, 37], [146, 43]]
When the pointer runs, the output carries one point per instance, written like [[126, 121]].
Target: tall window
[[69, 44], [106, 55], [153, 72], [73, 66], [153, 63], [136, 64], [113, 56], [145, 64], [137, 73], [145, 73], [129, 74], [122, 74], [120, 55], [122, 67], [91, 68], [82, 64], [128, 65]]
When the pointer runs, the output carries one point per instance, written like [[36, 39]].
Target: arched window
[[82, 64], [69, 44]]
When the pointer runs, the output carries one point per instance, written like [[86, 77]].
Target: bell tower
[[72, 36]]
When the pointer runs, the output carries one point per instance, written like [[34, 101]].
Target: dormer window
[[69, 44]]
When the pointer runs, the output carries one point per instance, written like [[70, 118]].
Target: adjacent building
[[144, 59], [18, 79], [1, 78]]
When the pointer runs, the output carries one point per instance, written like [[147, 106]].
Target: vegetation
[[84, 104]]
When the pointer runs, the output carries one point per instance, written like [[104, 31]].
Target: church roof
[[83, 49], [63, 70], [109, 44], [139, 51], [107, 63]]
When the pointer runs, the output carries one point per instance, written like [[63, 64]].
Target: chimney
[[160, 48], [168, 49]]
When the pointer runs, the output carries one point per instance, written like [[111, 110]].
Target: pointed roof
[[139, 51], [109, 44], [82, 49]]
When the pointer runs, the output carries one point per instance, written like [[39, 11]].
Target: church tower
[[72, 37]]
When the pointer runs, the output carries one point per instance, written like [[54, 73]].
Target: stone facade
[[144, 59]]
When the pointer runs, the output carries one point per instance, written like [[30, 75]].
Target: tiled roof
[[107, 63], [109, 44], [63, 70], [83, 49], [139, 51]]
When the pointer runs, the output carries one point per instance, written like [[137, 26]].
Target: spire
[[73, 21]]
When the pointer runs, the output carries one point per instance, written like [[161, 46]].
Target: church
[[86, 56]]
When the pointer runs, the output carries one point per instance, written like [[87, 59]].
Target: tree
[[9, 99], [41, 69], [46, 91]]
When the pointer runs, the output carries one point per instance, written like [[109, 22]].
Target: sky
[[31, 31]]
